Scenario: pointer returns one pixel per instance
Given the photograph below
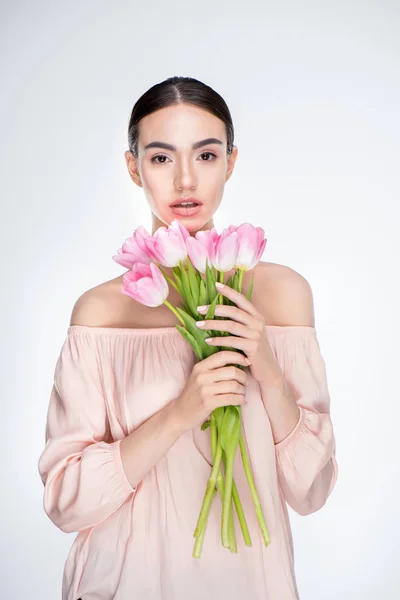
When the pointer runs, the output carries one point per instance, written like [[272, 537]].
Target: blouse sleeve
[[82, 473], [306, 458]]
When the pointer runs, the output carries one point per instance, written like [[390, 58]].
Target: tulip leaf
[[211, 309], [210, 281], [230, 430], [187, 294], [210, 350], [171, 281], [229, 281], [205, 425], [193, 282], [177, 273], [190, 324], [177, 270], [223, 347], [199, 277], [219, 415], [210, 315], [202, 293], [233, 284], [250, 290], [236, 281], [184, 306], [196, 272], [192, 341]]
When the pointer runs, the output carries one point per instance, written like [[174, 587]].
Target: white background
[[314, 92]]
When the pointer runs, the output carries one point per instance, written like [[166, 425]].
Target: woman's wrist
[[174, 419], [142, 449]]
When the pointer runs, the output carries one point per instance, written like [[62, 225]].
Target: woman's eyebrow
[[195, 146]]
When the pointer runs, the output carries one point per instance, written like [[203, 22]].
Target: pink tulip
[[134, 249], [167, 246], [145, 284], [223, 249], [198, 249], [251, 245], [176, 223]]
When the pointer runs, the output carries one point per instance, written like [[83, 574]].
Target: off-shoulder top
[[136, 543]]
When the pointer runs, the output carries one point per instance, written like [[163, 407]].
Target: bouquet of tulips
[[190, 257]]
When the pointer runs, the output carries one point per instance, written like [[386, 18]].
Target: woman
[[126, 462]]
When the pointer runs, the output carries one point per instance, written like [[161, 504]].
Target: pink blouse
[[136, 543]]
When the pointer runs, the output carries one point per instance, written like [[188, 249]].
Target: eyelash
[[153, 160]]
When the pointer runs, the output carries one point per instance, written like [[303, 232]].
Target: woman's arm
[[146, 445]]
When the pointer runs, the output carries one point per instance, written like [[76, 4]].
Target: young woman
[[126, 462]]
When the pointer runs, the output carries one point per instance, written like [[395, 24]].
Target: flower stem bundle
[[209, 254]]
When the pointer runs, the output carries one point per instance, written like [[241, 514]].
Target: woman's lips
[[186, 211]]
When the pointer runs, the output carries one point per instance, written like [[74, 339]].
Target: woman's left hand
[[249, 332]]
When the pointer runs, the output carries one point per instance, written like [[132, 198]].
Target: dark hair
[[179, 90]]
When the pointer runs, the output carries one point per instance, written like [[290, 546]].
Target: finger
[[235, 399], [229, 340], [230, 327], [230, 397], [219, 359], [234, 313], [225, 373], [238, 298], [225, 387]]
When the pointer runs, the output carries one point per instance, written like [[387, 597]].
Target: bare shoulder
[[275, 274], [98, 306], [289, 295], [106, 306], [281, 294]]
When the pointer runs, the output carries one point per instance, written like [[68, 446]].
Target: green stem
[[171, 307], [256, 500], [171, 281], [220, 277], [220, 480], [241, 273], [231, 529], [219, 483], [239, 510], [209, 493], [226, 505], [200, 538], [213, 435]]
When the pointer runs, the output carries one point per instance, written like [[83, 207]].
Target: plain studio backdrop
[[314, 93]]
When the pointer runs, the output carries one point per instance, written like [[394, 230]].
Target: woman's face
[[167, 174]]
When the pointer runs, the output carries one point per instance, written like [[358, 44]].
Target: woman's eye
[[208, 153], [153, 160], [162, 156]]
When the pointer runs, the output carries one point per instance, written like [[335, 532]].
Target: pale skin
[[281, 296]]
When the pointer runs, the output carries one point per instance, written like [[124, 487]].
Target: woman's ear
[[231, 162], [132, 165]]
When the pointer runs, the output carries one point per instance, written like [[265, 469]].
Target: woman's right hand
[[210, 385]]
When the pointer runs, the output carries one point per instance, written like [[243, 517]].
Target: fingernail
[[219, 285], [201, 308]]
